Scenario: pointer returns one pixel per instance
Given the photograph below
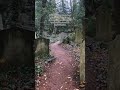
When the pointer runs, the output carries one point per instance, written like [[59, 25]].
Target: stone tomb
[[16, 47]]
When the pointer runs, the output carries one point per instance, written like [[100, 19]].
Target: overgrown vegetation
[[46, 29]]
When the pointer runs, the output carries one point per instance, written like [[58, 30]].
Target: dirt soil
[[62, 73]]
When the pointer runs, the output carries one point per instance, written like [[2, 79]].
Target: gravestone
[[78, 36], [62, 36], [42, 47], [17, 32], [16, 46]]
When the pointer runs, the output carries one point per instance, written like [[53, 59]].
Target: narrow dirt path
[[60, 75]]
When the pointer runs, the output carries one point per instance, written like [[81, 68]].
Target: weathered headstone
[[17, 31], [62, 36], [78, 36], [41, 47], [16, 46]]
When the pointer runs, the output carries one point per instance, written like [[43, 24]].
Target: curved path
[[61, 74]]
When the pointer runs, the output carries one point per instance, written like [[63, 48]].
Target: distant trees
[[42, 10], [42, 19]]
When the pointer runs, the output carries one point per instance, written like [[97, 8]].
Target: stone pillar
[[80, 39], [82, 62]]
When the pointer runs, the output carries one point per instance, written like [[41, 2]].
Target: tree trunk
[[63, 6]]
